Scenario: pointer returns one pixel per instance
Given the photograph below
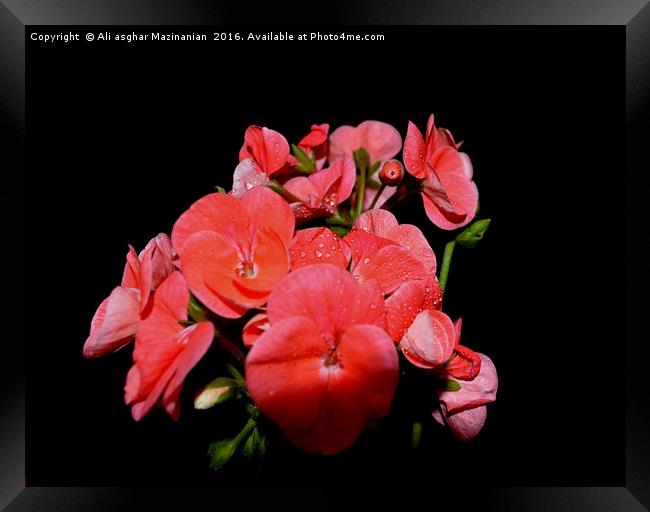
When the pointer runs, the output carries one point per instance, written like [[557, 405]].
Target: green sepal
[[473, 234], [374, 168], [373, 184], [195, 311], [340, 230], [251, 445], [221, 452], [450, 385], [239, 378], [306, 162], [221, 190], [361, 158]]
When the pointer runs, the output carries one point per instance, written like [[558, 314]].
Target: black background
[[123, 138]]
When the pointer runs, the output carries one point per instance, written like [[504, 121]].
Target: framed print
[[385, 253]]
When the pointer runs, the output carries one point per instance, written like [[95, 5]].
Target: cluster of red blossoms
[[324, 284]]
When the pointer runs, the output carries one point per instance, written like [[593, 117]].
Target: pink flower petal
[[320, 292], [472, 394], [466, 425], [429, 341], [267, 147], [221, 213], [254, 328], [267, 210], [247, 176], [415, 152], [316, 245], [380, 140], [114, 323]]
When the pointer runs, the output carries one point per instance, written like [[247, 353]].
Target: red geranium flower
[[433, 342], [464, 411], [165, 352], [320, 193], [268, 148], [399, 257], [265, 152], [326, 365], [380, 140], [450, 196], [316, 142], [234, 251], [116, 319]]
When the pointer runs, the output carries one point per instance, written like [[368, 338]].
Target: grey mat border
[[633, 14]]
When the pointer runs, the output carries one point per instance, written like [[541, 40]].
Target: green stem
[[374, 199], [250, 425], [232, 348], [361, 189], [417, 434], [276, 187], [446, 263]]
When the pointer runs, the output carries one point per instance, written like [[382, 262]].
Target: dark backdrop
[[123, 138]]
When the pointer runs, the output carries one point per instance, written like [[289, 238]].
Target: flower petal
[[465, 364], [403, 305], [316, 245], [267, 210], [325, 294], [466, 425], [390, 266], [269, 148], [196, 340], [381, 140], [215, 212], [322, 407], [114, 323], [376, 222], [247, 175], [209, 263], [415, 152], [254, 328], [285, 373], [429, 341], [472, 394]]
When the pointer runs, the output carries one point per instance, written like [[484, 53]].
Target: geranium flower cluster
[[329, 294]]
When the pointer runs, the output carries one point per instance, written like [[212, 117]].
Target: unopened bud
[[391, 173], [473, 234], [219, 390]]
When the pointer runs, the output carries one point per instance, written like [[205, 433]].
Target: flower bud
[[219, 390], [473, 234], [391, 173]]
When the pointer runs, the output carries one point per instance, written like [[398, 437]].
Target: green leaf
[[473, 234], [306, 163], [221, 452], [218, 391], [450, 385]]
